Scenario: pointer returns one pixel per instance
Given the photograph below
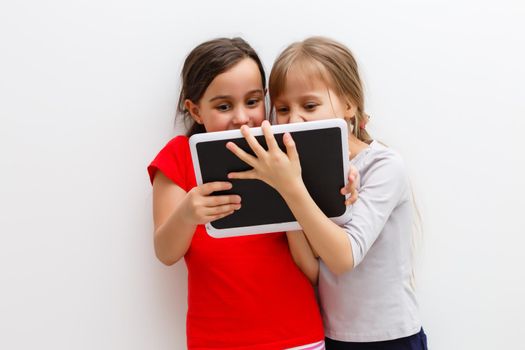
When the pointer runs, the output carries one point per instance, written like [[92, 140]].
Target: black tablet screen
[[320, 154]]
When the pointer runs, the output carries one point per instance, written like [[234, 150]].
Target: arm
[[176, 214], [303, 255], [329, 240], [302, 252], [283, 172]]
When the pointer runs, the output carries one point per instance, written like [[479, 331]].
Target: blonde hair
[[334, 64]]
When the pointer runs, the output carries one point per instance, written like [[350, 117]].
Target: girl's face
[[233, 99], [306, 99]]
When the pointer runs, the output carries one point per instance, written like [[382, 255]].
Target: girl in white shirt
[[365, 266]]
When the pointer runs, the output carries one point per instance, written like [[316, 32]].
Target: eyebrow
[[304, 97], [224, 97], [311, 95]]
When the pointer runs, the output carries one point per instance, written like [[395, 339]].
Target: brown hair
[[335, 65], [203, 64]]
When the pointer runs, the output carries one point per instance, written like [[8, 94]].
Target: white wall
[[88, 92]]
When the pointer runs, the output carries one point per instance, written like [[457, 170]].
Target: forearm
[[282, 171], [173, 238], [328, 239], [302, 255]]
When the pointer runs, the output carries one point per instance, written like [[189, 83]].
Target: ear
[[193, 109], [349, 112]]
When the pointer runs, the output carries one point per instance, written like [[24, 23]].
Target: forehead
[[303, 76], [244, 75]]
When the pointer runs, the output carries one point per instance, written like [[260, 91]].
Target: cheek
[[217, 122], [339, 111], [282, 119], [259, 114], [323, 113]]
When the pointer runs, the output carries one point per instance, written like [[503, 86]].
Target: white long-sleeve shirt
[[375, 301]]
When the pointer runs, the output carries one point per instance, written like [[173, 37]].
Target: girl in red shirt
[[243, 292]]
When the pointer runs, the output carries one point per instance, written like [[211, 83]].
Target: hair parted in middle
[[334, 64]]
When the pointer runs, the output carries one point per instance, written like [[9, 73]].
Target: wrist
[[294, 190], [185, 215]]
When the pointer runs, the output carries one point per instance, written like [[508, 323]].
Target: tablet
[[323, 151]]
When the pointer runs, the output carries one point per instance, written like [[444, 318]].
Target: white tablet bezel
[[276, 129]]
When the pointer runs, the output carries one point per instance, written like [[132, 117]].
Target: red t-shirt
[[243, 292]]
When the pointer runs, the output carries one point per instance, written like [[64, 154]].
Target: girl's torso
[[241, 290], [376, 300]]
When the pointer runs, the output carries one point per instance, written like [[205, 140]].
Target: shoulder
[[388, 157], [178, 142], [178, 147], [381, 156], [172, 159], [383, 164]]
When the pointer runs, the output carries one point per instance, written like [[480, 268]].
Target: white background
[[87, 98]]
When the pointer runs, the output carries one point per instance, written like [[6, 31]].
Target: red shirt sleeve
[[173, 161]]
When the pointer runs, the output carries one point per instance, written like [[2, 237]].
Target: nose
[[295, 118], [241, 117]]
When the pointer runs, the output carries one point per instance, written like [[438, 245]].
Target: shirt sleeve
[[384, 185], [172, 161]]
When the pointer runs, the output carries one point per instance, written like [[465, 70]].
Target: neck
[[355, 145]]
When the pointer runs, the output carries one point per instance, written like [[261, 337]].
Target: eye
[[223, 107], [282, 110], [253, 102], [310, 106]]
